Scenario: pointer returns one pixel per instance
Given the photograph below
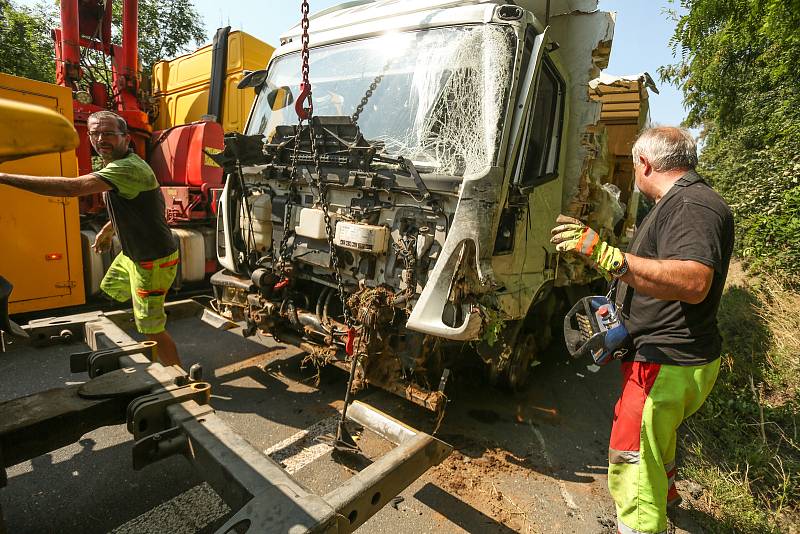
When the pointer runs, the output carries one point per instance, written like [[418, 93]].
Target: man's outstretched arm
[[56, 186]]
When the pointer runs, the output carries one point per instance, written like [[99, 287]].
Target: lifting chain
[[366, 97], [285, 253], [322, 188], [304, 115]]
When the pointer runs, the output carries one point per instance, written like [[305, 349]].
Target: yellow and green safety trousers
[[655, 400]]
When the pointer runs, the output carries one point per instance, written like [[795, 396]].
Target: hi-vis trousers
[[654, 402]]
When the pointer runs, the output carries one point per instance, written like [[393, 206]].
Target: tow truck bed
[[90, 486]]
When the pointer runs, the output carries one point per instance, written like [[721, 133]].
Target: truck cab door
[[538, 182], [534, 198]]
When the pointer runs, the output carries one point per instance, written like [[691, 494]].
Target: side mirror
[[253, 78]]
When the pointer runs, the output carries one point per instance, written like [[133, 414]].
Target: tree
[[166, 29], [26, 48], [739, 70]]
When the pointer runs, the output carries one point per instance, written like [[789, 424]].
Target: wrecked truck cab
[[447, 137]]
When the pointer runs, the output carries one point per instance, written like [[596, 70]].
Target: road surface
[[534, 462]]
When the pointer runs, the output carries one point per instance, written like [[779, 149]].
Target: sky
[[641, 38]]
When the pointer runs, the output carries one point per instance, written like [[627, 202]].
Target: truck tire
[[518, 369]]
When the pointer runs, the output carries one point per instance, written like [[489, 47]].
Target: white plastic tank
[[94, 266], [257, 228], [192, 253], [210, 240]]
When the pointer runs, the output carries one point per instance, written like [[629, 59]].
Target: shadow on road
[[459, 512]]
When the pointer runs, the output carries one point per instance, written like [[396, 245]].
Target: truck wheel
[[518, 368]]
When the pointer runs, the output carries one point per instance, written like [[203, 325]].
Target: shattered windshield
[[433, 96]]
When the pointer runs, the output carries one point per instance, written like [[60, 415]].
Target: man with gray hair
[[670, 283], [146, 267]]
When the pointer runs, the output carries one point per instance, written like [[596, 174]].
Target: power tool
[[593, 327]]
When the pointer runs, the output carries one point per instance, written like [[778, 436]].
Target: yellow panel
[[32, 226], [189, 105], [181, 86]]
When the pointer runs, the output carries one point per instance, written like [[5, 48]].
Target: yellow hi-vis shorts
[[146, 283]]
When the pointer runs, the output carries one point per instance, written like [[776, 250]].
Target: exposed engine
[[387, 229]]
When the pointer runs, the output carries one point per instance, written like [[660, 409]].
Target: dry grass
[[781, 312], [743, 445]]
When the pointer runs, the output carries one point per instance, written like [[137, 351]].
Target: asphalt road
[[534, 462]]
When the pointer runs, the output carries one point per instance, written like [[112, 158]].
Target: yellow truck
[[40, 235], [46, 245]]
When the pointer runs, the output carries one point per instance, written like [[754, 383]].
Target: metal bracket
[[147, 415], [102, 361], [169, 442]]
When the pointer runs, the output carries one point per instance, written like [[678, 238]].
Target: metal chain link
[[283, 252], [284, 255], [322, 188], [366, 97], [304, 24]]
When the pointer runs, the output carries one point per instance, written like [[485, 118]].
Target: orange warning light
[[53, 256]]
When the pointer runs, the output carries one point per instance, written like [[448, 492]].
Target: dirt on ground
[[475, 473]]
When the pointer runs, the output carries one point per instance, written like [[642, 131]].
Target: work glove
[[571, 235]]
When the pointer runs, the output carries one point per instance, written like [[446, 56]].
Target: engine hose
[[320, 301], [325, 307]]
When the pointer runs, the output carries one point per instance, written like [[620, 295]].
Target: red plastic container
[[179, 156]]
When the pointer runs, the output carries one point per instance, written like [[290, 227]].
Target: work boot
[[674, 498]]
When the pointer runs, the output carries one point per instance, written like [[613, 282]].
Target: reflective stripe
[[623, 457], [150, 292], [670, 469], [148, 323], [176, 261], [587, 242], [146, 265], [623, 529]]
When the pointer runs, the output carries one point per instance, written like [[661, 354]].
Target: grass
[[743, 446]]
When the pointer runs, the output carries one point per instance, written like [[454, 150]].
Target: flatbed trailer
[[170, 412]]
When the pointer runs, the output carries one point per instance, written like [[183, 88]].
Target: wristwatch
[[620, 271]]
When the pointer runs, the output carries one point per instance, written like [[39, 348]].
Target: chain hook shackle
[[304, 112]]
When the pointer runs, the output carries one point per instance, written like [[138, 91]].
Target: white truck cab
[[447, 137]]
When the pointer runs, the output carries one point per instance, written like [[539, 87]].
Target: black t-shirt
[[691, 222], [136, 207]]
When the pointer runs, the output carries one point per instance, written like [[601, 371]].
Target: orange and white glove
[[571, 235]]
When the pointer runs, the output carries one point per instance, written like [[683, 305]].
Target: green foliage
[[493, 324], [739, 70], [167, 28], [26, 48]]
